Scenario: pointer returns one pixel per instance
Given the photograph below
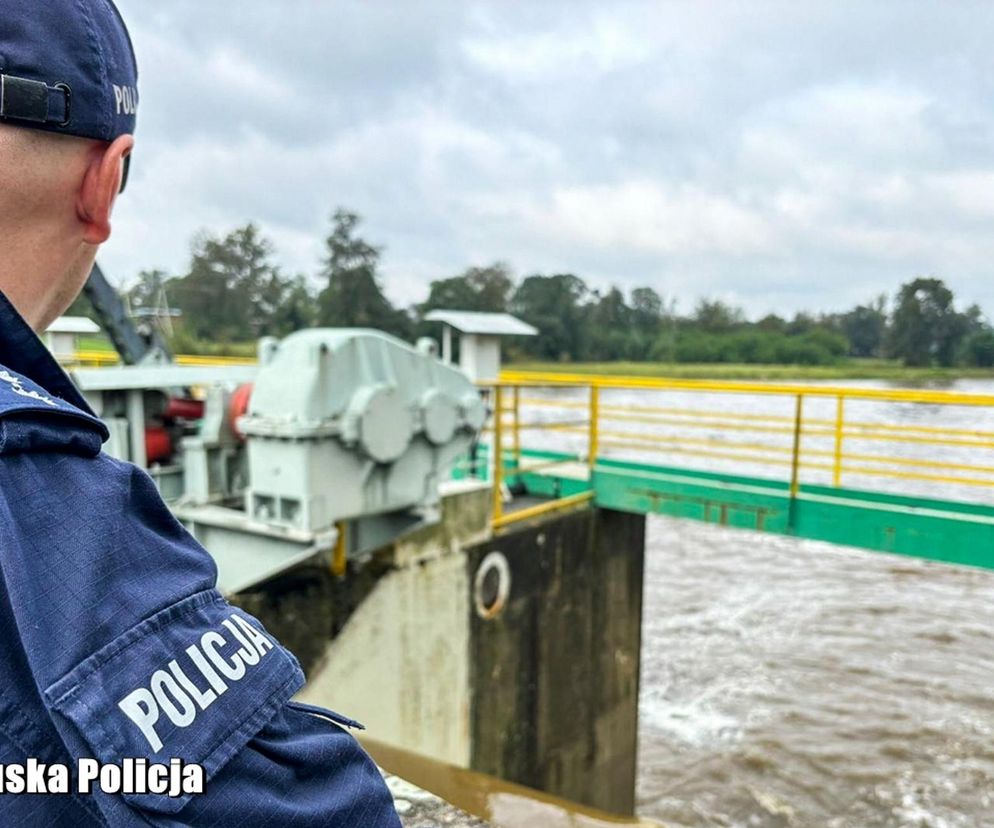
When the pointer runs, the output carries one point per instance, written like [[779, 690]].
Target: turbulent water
[[793, 683]]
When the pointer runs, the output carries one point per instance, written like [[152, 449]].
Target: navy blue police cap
[[67, 66]]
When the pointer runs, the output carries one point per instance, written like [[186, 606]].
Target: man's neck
[[36, 280]]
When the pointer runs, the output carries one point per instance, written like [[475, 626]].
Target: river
[[794, 683]]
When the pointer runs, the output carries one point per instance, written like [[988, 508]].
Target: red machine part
[[158, 439], [239, 406], [183, 408], [158, 444]]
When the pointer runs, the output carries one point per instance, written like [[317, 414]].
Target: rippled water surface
[[793, 683]]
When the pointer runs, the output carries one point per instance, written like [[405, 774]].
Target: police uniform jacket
[[115, 643]]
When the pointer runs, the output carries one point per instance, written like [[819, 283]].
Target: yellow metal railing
[[876, 438], [524, 379], [885, 438], [500, 517], [103, 359]]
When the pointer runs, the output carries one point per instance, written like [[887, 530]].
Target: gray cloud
[[779, 155]]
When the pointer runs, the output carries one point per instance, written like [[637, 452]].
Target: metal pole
[[839, 436], [517, 429], [447, 345], [795, 461], [339, 558], [595, 413], [795, 464], [136, 427], [498, 481]]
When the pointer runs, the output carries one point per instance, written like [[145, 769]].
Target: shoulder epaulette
[[31, 418]]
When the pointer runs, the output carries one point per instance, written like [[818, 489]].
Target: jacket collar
[[22, 351]]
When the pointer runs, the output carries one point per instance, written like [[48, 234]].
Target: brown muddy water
[[794, 683], [788, 683]]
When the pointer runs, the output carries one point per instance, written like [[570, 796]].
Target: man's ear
[[101, 184]]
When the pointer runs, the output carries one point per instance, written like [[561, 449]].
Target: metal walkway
[[903, 471]]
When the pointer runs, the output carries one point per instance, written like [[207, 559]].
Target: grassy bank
[[246, 350], [867, 369], [853, 369]]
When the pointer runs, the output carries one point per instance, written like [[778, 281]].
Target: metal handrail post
[[595, 412], [516, 406], [840, 415], [498, 479], [795, 463]]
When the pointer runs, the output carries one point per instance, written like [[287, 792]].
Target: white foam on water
[[691, 723]]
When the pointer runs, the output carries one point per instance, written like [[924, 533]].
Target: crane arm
[[134, 344]]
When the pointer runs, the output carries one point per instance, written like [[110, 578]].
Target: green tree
[[865, 326], [647, 316], [353, 297], [979, 349], [802, 323], [772, 322], [232, 290], [714, 316], [609, 332], [648, 311], [554, 305], [150, 289], [294, 308], [486, 289], [926, 328], [974, 321]]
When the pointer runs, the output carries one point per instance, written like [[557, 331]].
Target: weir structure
[[499, 629]]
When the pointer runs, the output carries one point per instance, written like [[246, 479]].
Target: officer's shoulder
[[33, 419]]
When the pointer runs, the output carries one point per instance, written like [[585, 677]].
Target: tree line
[[235, 291]]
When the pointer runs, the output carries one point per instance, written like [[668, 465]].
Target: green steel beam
[[940, 530]]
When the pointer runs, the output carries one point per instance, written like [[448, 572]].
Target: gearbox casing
[[347, 423]]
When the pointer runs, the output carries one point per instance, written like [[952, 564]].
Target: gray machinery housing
[[347, 436], [344, 424]]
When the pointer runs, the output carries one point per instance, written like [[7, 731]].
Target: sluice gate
[[507, 639]]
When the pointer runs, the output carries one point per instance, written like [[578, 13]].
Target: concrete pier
[[555, 676], [516, 655]]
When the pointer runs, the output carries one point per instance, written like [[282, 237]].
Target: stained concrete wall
[[555, 676], [401, 665], [401, 662], [545, 693]]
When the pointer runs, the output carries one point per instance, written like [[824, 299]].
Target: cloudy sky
[[777, 155]]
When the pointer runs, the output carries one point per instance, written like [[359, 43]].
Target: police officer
[[114, 642]]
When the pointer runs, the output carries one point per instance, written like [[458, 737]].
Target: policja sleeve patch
[[195, 682]]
